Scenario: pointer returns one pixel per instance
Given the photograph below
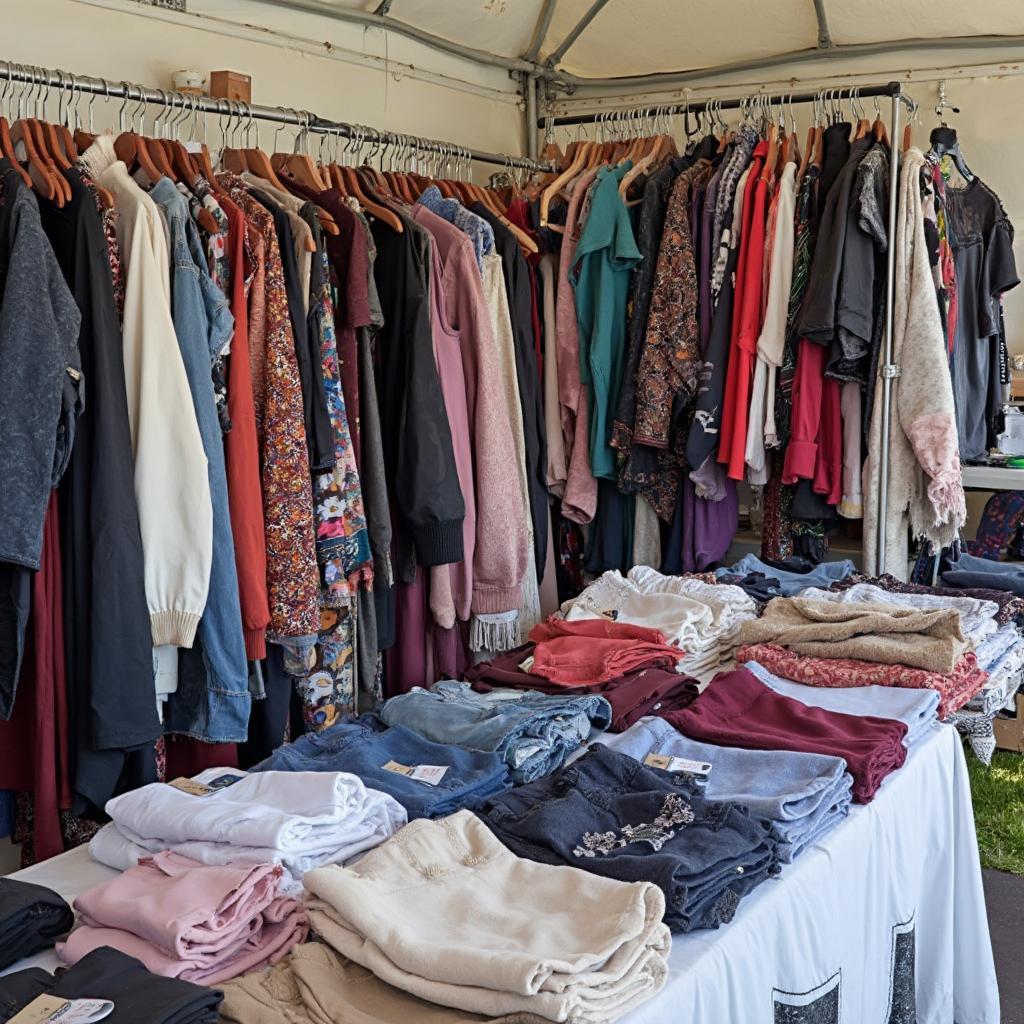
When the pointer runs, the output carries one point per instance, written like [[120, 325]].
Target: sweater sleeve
[[172, 487]]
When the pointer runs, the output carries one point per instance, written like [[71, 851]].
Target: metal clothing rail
[[64, 80], [889, 370]]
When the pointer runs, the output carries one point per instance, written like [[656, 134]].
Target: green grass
[[999, 810]]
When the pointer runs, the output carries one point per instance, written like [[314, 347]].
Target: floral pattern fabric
[[342, 541], [108, 217], [325, 674], [671, 355], [954, 689], [293, 576]]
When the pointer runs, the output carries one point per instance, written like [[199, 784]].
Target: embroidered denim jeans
[[611, 815], [803, 796]]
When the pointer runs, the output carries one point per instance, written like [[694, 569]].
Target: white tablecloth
[[891, 903]]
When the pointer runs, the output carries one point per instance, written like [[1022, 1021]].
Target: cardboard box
[[231, 85], [1010, 731]]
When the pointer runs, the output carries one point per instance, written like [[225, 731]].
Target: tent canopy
[[637, 37]]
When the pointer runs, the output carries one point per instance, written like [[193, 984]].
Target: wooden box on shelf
[[231, 85], [1010, 731]]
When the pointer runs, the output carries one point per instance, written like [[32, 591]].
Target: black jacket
[[418, 455]]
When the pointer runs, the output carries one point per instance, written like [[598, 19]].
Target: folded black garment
[[610, 814], [31, 918], [139, 997]]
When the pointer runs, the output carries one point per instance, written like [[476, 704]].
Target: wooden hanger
[[576, 165], [7, 149], [354, 188], [908, 136], [38, 169], [35, 127]]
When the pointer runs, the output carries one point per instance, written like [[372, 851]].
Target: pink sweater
[[500, 555]]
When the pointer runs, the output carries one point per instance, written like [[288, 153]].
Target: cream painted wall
[[287, 55]]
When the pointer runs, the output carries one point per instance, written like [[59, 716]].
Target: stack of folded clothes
[[699, 618], [595, 651], [299, 820], [315, 985], [972, 571], [738, 710], [108, 974], [31, 918], [977, 618], [791, 579], [891, 634], [182, 919], [534, 733], [916, 709], [610, 814], [802, 796], [446, 913], [1011, 607], [954, 688], [631, 695], [428, 779]]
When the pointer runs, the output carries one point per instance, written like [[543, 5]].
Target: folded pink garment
[[954, 689], [572, 660], [182, 919]]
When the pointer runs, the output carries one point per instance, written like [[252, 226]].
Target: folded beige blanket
[[870, 631], [447, 913], [316, 986]]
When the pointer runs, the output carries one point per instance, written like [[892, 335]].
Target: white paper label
[[431, 774], [677, 764], [48, 1009]]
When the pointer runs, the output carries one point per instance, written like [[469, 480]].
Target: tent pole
[[530, 87], [889, 370]]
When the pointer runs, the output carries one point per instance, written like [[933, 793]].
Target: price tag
[[191, 787], [431, 774], [677, 764], [54, 1010]]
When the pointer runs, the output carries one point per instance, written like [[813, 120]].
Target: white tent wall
[[339, 71]]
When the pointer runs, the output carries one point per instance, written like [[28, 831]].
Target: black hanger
[[944, 142]]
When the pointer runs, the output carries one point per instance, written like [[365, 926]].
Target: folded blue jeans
[[611, 815], [534, 732], [972, 571], [918, 709], [792, 582], [801, 795], [362, 747]]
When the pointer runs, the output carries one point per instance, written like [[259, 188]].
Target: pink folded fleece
[[182, 919]]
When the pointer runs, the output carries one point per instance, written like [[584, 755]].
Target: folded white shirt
[[298, 819]]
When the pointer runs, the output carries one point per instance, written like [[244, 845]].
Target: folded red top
[[604, 629]]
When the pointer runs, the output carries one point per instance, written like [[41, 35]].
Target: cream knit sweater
[[925, 487]]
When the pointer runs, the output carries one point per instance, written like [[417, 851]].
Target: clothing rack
[[48, 78], [894, 90]]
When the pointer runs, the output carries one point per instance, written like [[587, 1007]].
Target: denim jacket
[[212, 700]]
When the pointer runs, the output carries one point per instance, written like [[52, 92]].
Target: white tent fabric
[[635, 37]]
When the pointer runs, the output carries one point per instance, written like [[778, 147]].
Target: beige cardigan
[[925, 487]]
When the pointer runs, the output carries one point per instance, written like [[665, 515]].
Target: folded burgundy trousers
[[738, 710]]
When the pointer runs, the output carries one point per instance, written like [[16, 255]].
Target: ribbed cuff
[[174, 627], [439, 543], [490, 601], [255, 644], [800, 459]]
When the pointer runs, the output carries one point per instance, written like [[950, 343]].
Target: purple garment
[[708, 526]]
